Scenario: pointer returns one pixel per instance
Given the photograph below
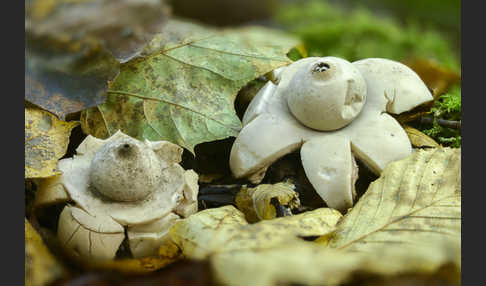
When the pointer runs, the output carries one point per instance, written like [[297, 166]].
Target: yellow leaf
[[46, 141], [223, 229], [206, 231], [41, 267], [416, 201], [309, 263], [302, 50], [255, 203], [419, 139]]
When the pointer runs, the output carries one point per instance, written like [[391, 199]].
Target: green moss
[[447, 106], [446, 14], [445, 136], [327, 30]]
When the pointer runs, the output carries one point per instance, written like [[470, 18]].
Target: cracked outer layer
[[270, 129], [85, 236]]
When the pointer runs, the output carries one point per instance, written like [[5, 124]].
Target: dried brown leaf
[[74, 48], [418, 138]]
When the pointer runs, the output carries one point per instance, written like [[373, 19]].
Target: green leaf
[[183, 89], [415, 201]]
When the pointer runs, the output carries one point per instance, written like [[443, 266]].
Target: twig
[[217, 195], [441, 122]]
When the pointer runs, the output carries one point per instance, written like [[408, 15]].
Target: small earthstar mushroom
[[120, 188], [333, 110]]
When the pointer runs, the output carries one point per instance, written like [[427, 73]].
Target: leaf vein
[[439, 184], [240, 55], [177, 127], [420, 180], [174, 104], [104, 120], [416, 230], [400, 188], [434, 217], [390, 223], [198, 67]]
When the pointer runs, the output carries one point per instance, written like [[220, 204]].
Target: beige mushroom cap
[[271, 130], [326, 94]]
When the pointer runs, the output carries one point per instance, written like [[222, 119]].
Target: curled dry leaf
[[418, 138], [256, 203], [41, 268], [183, 89], [224, 229], [416, 201], [46, 141], [73, 48]]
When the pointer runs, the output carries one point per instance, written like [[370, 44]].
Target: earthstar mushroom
[[120, 184], [332, 110]]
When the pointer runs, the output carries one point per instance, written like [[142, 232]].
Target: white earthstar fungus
[[332, 110], [120, 185]]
